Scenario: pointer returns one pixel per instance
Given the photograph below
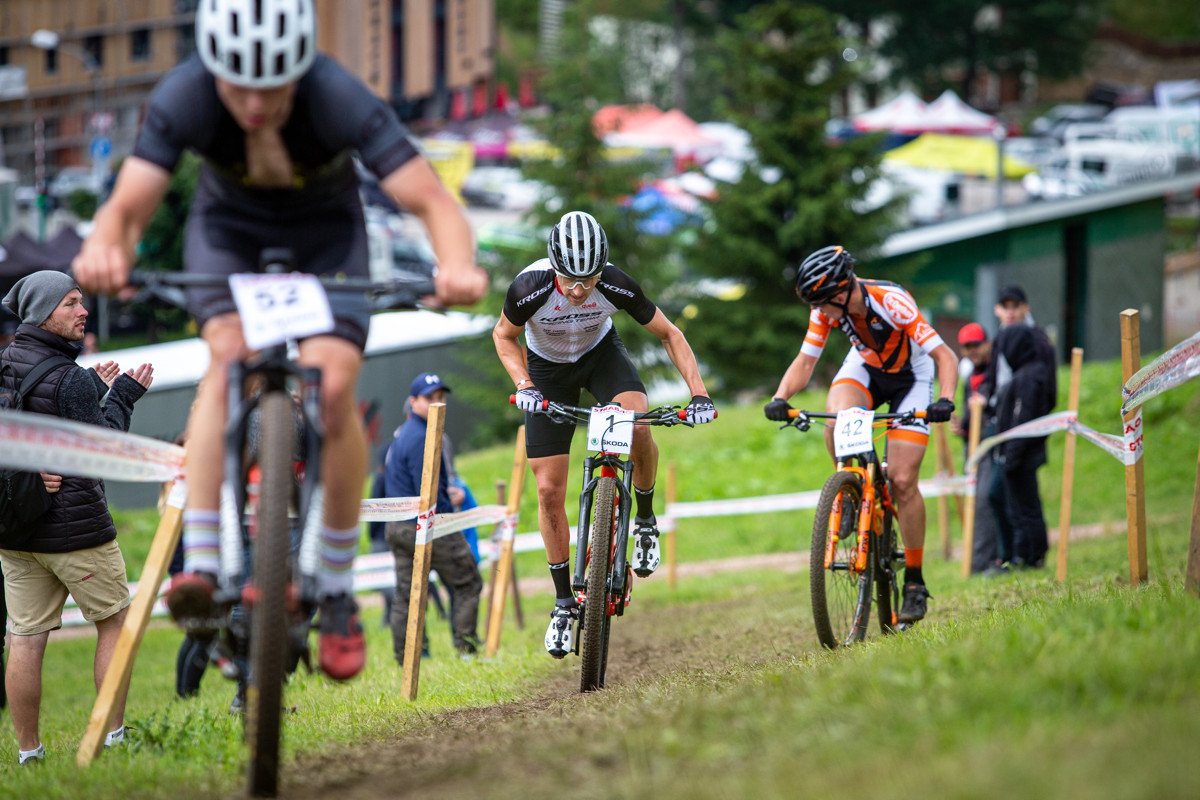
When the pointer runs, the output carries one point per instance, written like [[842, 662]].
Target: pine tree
[[785, 63]]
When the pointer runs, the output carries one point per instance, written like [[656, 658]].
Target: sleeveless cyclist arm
[[797, 376], [510, 351], [678, 350]]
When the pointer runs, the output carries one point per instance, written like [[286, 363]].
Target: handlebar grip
[[512, 398], [683, 414], [793, 413]]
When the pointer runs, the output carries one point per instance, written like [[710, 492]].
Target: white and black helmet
[[578, 246], [256, 44]]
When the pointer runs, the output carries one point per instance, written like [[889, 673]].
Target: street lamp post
[[49, 40]]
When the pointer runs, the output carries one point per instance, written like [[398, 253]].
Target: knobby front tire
[[838, 592], [269, 629], [596, 622]]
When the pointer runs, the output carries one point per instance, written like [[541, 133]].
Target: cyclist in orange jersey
[[894, 359]]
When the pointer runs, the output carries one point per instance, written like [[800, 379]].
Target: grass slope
[[1020, 685]]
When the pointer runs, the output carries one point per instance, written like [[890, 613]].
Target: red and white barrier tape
[[60, 446], [1178, 365]]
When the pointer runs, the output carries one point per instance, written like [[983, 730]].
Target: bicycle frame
[[610, 465]]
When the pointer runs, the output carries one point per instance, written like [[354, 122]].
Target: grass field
[[1019, 686]]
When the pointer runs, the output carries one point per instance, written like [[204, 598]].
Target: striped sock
[[201, 541], [338, 549]]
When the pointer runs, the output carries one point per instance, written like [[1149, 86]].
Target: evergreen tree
[[784, 64]]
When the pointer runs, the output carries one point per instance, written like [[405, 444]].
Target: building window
[[94, 45], [3, 56], [52, 62], [186, 44], [139, 45]]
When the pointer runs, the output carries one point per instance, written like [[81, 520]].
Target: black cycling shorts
[[331, 239], [606, 371]]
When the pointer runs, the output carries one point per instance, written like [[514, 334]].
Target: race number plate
[[852, 431], [275, 308], [610, 429]]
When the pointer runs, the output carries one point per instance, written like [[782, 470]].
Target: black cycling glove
[[777, 410], [940, 410]]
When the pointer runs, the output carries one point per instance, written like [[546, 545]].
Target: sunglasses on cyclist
[[569, 282]]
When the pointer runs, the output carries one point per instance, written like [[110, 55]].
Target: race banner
[[1178, 365], [40, 442]]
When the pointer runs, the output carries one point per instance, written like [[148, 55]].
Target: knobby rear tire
[[596, 622], [887, 595], [269, 625], [838, 594]]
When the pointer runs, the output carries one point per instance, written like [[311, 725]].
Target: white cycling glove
[[701, 410], [529, 399]]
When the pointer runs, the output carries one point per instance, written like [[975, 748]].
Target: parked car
[[74, 179], [500, 187], [1054, 121]]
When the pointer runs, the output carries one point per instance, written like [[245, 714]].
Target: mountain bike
[[856, 554], [603, 577], [267, 586]]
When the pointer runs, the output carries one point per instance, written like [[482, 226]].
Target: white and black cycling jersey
[[560, 332]]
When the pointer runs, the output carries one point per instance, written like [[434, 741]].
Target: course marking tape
[[424, 526], [1042, 426], [63, 447], [1178, 365]]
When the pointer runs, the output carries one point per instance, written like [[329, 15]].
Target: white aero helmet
[[256, 44], [578, 246]]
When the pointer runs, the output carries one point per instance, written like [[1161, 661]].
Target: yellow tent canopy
[[967, 155]]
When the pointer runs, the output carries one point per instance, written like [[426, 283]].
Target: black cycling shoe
[[914, 606]]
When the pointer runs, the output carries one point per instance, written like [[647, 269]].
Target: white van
[[1177, 126], [1084, 166]]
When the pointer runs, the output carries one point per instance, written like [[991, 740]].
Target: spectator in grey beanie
[[34, 297], [76, 536]]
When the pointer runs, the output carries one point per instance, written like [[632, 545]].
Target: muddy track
[[475, 752]]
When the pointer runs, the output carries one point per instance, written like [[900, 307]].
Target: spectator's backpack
[[1046, 355], [23, 495]]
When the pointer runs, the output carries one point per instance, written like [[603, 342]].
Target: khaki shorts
[[36, 586]]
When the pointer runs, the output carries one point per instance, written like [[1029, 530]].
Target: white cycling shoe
[[646, 553], [560, 634]]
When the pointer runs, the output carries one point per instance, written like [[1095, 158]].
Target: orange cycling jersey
[[885, 336]]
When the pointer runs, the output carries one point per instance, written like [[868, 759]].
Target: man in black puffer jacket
[[73, 548], [1023, 386]]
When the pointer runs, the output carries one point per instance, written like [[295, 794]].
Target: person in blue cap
[[450, 555]]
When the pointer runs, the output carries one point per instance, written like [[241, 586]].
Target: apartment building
[[74, 74]]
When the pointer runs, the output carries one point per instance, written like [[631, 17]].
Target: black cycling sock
[[562, 584], [645, 502], [913, 575]]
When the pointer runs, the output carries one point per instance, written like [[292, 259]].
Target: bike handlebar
[[403, 291], [793, 413], [663, 415]]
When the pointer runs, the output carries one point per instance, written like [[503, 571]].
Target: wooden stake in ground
[[506, 545], [430, 473], [1135, 477], [671, 475], [1191, 580], [116, 680], [1068, 482], [495, 566], [944, 470], [976, 426]]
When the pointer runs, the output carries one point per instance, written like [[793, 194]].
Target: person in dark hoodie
[[1021, 386], [73, 548]]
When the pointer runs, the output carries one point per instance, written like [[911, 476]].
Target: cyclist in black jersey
[[276, 123], [564, 305]]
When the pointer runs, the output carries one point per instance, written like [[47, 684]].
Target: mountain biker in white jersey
[[564, 305], [276, 123]]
